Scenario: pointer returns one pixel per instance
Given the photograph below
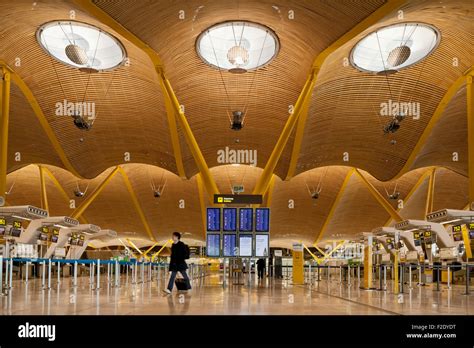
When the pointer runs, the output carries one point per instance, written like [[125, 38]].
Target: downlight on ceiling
[[81, 45], [390, 49], [237, 46]]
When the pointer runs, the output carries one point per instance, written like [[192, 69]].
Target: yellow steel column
[[202, 203], [149, 249], [44, 195], [334, 205], [367, 284], [84, 205], [161, 249], [56, 183], [470, 134], [207, 178], [379, 198], [137, 205], [4, 118], [264, 180], [430, 194]]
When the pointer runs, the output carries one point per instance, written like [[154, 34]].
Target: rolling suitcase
[[180, 284]]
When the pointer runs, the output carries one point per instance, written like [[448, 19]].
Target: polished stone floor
[[208, 296]]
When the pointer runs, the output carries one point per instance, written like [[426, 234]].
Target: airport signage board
[[238, 199]]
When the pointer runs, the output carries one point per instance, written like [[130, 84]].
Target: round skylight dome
[[81, 45], [395, 47], [237, 46]]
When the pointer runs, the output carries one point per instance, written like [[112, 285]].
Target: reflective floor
[[209, 297]]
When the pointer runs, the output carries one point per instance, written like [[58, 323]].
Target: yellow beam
[[389, 7], [149, 249], [173, 131], [85, 204], [4, 120], [44, 195], [161, 249], [41, 118], [269, 194], [328, 255], [264, 180], [134, 246], [430, 193], [320, 250], [415, 187], [379, 198], [334, 205], [138, 208], [207, 178], [89, 7], [312, 255], [56, 183], [450, 93], [470, 134], [202, 203]]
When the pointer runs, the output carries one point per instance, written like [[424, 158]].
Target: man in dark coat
[[261, 268], [177, 262]]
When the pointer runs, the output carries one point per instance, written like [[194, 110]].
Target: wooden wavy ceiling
[[132, 116]]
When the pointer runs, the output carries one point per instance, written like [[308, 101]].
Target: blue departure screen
[[214, 219], [262, 220], [213, 245], [230, 219], [246, 219], [229, 245]]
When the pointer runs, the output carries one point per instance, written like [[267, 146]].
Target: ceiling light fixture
[[81, 45], [392, 48], [237, 46]]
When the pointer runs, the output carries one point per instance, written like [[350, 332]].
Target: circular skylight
[[81, 45], [237, 46], [395, 47]]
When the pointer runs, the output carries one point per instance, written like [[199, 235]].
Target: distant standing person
[[261, 267], [179, 253]]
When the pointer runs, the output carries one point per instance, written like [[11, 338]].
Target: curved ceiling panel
[[128, 103], [344, 116]]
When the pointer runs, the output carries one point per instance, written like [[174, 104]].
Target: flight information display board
[[229, 245], [15, 232], [246, 219], [262, 245], [245, 245], [213, 245], [262, 220], [230, 219], [213, 219], [55, 235]]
